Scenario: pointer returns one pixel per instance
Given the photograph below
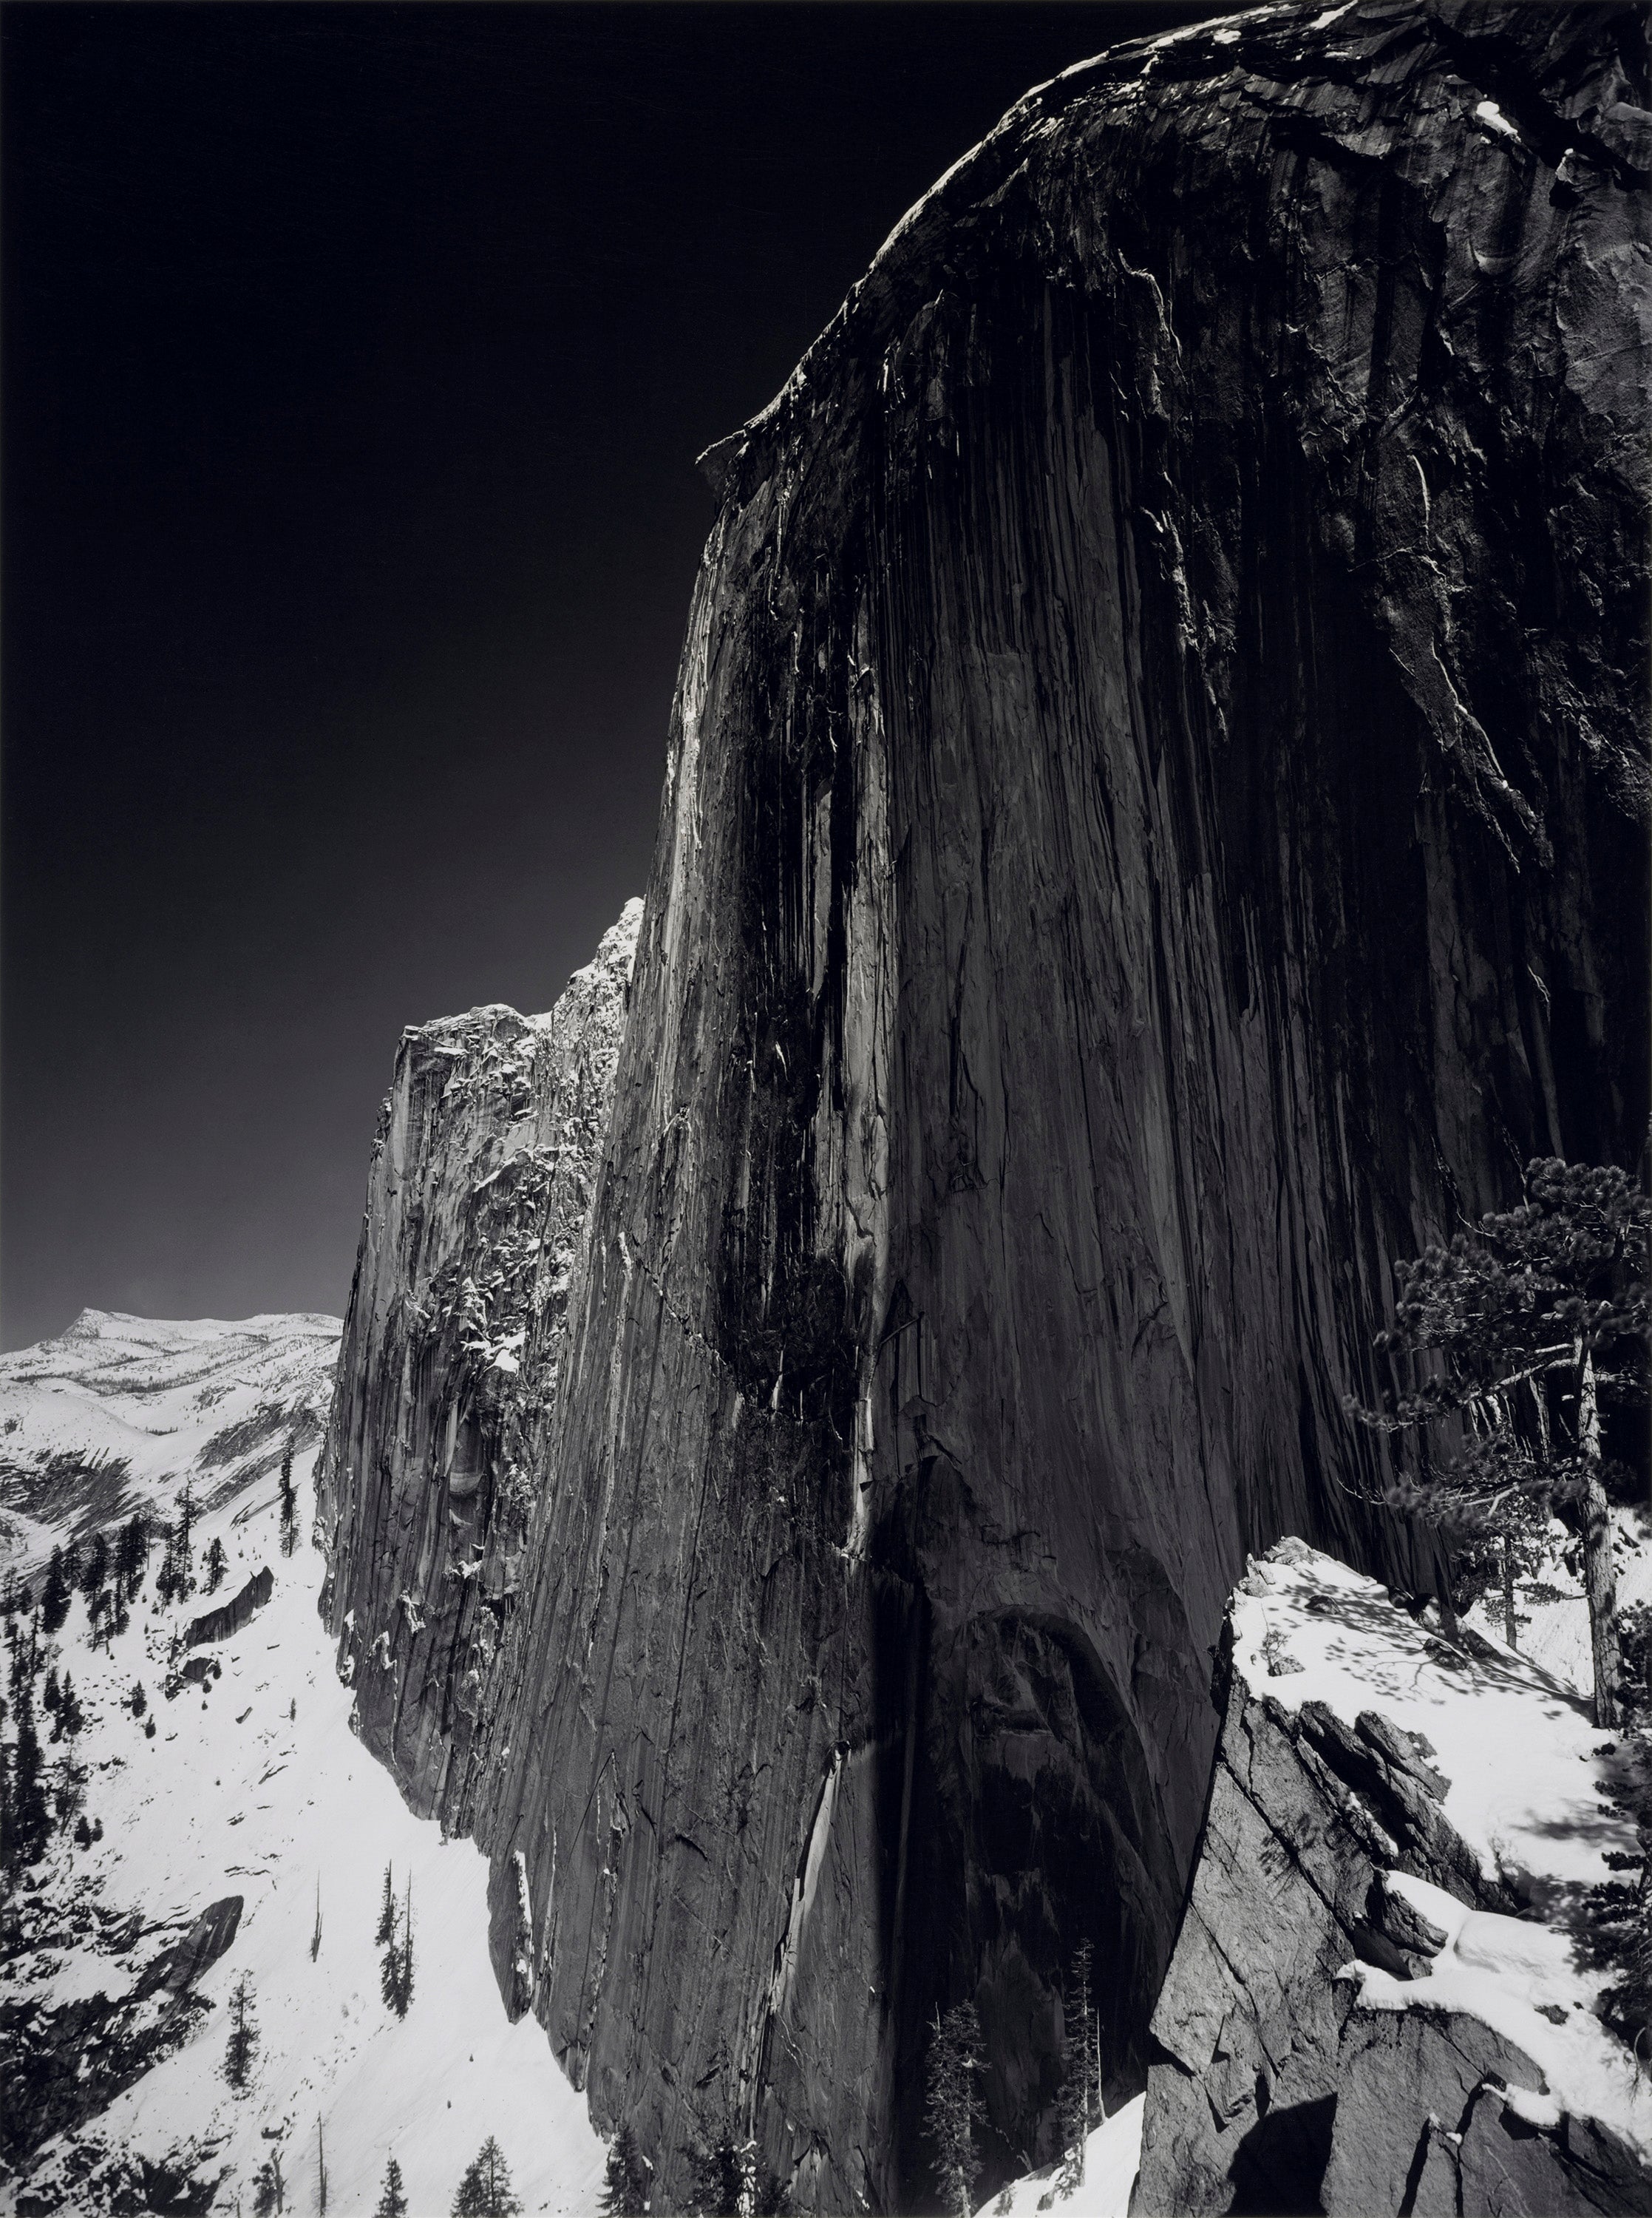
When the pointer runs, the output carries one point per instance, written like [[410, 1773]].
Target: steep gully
[[1153, 795]]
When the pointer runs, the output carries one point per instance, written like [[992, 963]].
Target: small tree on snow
[[244, 2037], [625, 2179], [217, 1564], [1080, 2096], [386, 1930], [392, 2202], [485, 2190], [268, 2188], [1524, 1330], [396, 1967], [721, 2173], [952, 2107], [54, 1594], [288, 1503]]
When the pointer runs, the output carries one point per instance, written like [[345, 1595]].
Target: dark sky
[[353, 363]]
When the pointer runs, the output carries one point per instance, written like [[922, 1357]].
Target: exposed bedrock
[[479, 1200], [1277, 2085], [1154, 799]]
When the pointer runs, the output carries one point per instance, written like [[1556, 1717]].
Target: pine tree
[[54, 1594], [393, 2203], [485, 2190], [268, 2188], [183, 1565], [95, 1568], [288, 1503], [315, 1937], [386, 1913], [217, 1564], [70, 1717], [30, 1815], [137, 1701], [244, 2035], [396, 1968], [1526, 1332], [1080, 2096], [51, 1694], [71, 1565], [625, 2181], [953, 2110], [720, 2173], [130, 1548]]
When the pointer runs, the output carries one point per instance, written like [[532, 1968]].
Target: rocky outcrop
[[224, 1622], [435, 1450], [62, 2065], [1322, 2044], [1156, 782]]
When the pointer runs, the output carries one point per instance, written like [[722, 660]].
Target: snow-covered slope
[[1399, 1980], [115, 1413], [1525, 1773], [255, 1786], [1112, 2154]]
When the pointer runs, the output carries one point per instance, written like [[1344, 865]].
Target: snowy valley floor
[[257, 1787]]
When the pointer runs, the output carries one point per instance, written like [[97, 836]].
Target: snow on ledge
[[1524, 1766]]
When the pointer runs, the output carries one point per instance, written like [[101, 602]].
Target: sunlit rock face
[[1154, 794], [477, 1203]]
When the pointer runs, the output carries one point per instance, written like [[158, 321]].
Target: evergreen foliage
[[396, 1966], [485, 2190], [132, 1556], [386, 1930], [1080, 2096], [719, 2175], [217, 1564], [625, 2178], [392, 2202], [24, 1808], [1526, 1334], [94, 1569], [244, 2035], [268, 2188], [952, 2108], [288, 1503], [54, 1594]]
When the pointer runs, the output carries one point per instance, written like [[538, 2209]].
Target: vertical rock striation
[[1154, 790], [478, 1204]]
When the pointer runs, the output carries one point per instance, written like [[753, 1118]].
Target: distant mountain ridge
[[117, 1412]]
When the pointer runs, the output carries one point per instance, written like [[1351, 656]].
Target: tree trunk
[[1510, 1630], [1600, 1576]]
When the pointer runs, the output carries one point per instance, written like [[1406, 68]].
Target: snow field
[[1525, 1767], [235, 1795], [1112, 2156]]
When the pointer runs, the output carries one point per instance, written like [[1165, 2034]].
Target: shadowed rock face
[[1154, 790], [478, 1204]]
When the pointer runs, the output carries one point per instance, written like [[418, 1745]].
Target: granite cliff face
[[478, 1204], [1153, 792]]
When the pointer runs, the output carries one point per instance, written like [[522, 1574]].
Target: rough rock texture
[[427, 1483], [60, 2065], [1155, 784], [1274, 2088], [223, 1623]]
